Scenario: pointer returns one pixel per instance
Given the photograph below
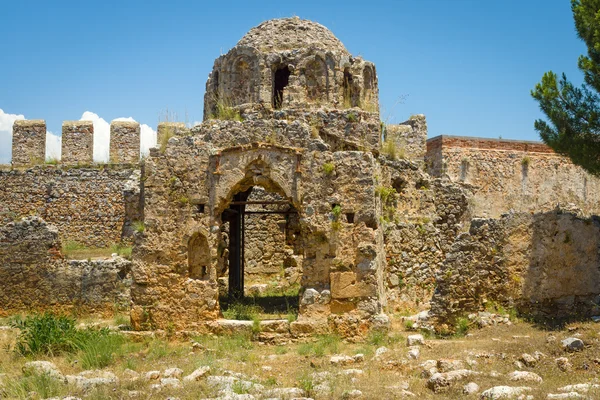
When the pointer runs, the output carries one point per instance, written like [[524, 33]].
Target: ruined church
[[293, 180]]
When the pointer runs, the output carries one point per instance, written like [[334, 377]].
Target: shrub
[[45, 334], [99, 348], [139, 226], [328, 168], [241, 311], [525, 161]]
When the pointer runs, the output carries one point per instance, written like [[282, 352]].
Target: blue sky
[[468, 65]]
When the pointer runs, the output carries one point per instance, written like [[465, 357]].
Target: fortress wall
[[34, 275], [93, 206], [29, 142], [512, 175], [77, 142], [124, 142]]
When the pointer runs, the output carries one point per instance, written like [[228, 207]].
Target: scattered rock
[[88, 380], [43, 368], [572, 344], [569, 395], [172, 383], [414, 353], [351, 371], [197, 374], [581, 387], [471, 388], [130, 375], [173, 373], [529, 360], [415, 340], [353, 394], [504, 392], [381, 351], [286, 393], [524, 376], [152, 375], [442, 380], [346, 360], [447, 364], [563, 364]]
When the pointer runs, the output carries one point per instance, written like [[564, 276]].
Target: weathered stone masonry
[[292, 124]]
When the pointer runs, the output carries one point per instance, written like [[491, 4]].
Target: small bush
[[525, 161], [328, 168], [352, 117], [462, 327], [45, 334], [99, 349], [139, 226]]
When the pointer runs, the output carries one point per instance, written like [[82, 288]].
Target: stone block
[[166, 130], [29, 142], [344, 285], [124, 142], [77, 142]]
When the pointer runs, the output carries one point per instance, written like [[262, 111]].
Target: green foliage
[[224, 111], [51, 335], [242, 311], [45, 334], [573, 113], [138, 226], [52, 161], [43, 385], [336, 211], [462, 327], [525, 161], [324, 344], [164, 139], [352, 117], [70, 246], [122, 250], [388, 200], [328, 168]]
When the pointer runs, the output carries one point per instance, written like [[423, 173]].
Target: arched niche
[[317, 80], [243, 82], [198, 257], [368, 85]]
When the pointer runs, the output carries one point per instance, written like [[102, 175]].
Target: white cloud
[[102, 136], [6, 123], [53, 146]]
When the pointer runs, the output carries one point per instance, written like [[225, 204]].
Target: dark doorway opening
[[351, 98], [246, 226], [280, 81]]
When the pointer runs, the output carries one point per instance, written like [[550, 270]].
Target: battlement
[[77, 142], [29, 142]]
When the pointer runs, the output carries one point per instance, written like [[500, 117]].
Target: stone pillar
[[29, 142], [77, 142], [124, 142], [166, 130]]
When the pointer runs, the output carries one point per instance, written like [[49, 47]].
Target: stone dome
[[291, 33]]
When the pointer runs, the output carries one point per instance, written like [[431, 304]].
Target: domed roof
[[291, 33]]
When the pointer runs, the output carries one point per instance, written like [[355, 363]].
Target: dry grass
[[292, 365]]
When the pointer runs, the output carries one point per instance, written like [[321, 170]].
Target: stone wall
[[92, 206], [423, 216], [77, 142], [35, 276], [124, 142], [544, 264], [28, 142], [409, 138], [512, 175]]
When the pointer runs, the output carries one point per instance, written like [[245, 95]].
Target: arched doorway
[[261, 232]]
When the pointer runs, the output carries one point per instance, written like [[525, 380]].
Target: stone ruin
[[292, 179]]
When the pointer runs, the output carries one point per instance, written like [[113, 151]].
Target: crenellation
[[124, 142], [28, 142], [77, 142]]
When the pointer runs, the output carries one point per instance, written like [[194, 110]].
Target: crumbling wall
[[512, 175], [92, 206], [422, 217], [545, 264], [408, 139], [35, 276]]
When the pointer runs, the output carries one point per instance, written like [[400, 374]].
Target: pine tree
[[574, 112]]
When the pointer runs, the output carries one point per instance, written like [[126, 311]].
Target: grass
[[226, 112], [138, 226], [294, 364], [74, 250], [241, 311]]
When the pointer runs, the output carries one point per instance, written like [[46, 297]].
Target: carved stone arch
[[317, 79], [273, 168], [368, 84]]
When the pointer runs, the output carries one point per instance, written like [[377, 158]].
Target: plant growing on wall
[[573, 127], [328, 168]]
